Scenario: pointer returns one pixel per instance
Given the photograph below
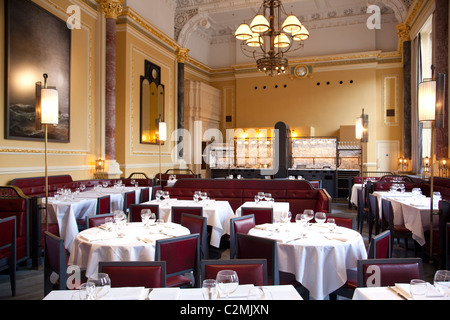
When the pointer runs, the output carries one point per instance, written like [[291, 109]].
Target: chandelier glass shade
[[269, 37]]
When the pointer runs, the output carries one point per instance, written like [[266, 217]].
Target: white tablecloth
[[66, 213], [218, 214], [415, 217], [278, 208], [141, 293], [354, 195], [384, 293], [95, 244], [117, 195], [318, 262]]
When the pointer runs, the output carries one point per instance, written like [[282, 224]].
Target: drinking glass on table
[[331, 223], [298, 218], [418, 289], [109, 223], [102, 284], [82, 187], [309, 214], [209, 289], [268, 196], [442, 282], [166, 195], [145, 216], [87, 291], [227, 282], [196, 196], [286, 217], [203, 195], [320, 217], [261, 196], [158, 195]]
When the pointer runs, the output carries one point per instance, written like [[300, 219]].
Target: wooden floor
[[30, 283]]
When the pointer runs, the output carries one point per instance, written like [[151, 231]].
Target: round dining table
[[316, 256], [136, 243]]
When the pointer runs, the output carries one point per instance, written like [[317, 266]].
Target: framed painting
[[37, 43]]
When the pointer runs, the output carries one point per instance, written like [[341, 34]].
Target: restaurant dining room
[[192, 150]]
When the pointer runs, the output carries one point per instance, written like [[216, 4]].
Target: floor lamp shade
[[162, 131], [49, 106], [427, 101], [359, 128]]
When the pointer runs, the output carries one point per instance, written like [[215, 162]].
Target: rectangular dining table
[[218, 214], [278, 207], [284, 292]]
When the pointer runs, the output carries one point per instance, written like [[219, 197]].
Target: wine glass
[[298, 218], [442, 282], [196, 196], [286, 217], [227, 282], [309, 214], [320, 217], [331, 223], [102, 284], [166, 195], [267, 196], [109, 223], [261, 196], [145, 216], [203, 195], [158, 195], [209, 289]]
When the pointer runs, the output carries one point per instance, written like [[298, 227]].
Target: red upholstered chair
[[241, 224], [447, 248], [182, 255], [98, 220], [373, 215], [346, 222], [148, 274], [104, 204], [129, 199], [380, 246], [145, 195], [55, 261], [135, 211], [262, 215], [388, 272], [197, 224], [8, 249], [362, 210], [176, 212], [251, 271], [397, 231]]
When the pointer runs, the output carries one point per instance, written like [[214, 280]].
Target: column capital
[[403, 31], [111, 8], [182, 55]]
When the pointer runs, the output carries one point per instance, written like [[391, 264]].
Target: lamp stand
[[159, 145], [46, 177], [431, 189]]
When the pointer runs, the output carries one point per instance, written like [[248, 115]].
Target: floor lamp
[[362, 134], [162, 136], [49, 115], [431, 106]]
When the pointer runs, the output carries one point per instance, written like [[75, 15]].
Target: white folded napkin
[[334, 236], [126, 293], [151, 238], [266, 226], [88, 236], [165, 294]]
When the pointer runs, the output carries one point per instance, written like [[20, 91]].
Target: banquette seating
[[299, 193]]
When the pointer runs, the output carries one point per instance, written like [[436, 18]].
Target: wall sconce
[[403, 164], [362, 134], [443, 168], [49, 114], [99, 165], [426, 164]]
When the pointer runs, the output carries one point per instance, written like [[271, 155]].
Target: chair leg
[[12, 277]]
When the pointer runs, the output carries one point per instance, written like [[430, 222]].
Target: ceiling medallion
[[267, 39]]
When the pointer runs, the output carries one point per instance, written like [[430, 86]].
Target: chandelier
[[267, 40]]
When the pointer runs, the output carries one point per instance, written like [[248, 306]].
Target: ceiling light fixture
[[267, 40]]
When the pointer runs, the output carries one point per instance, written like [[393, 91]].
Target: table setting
[[265, 200], [318, 254], [120, 241]]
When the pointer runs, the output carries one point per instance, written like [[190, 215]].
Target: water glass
[[309, 214], [109, 223], [209, 289], [102, 284], [286, 217], [259, 293], [227, 282], [320, 217], [331, 223], [418, 289], [442, 282], [87, 291]]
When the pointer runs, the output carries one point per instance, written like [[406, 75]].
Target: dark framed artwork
[[37, 42]]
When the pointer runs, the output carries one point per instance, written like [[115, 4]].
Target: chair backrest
[[346, 222], [444, 240], [252, 247], [387, 214], [148, 274], [241, 224], [197, 224], [98, 220], [388, 272], [181, 254], [380, 246], [447, 252], [177, 211], [129, 199], [55, 261], [104, 204], [7, 242], [145, 195], [135, 211], [262, 215], [373, 206], [249, 271]]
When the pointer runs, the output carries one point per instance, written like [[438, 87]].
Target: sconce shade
[[427, 101], [359, 128], [162, 131], [49, 106]]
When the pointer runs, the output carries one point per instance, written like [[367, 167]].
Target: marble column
[[182, 55], [112, 9], [441, 35]]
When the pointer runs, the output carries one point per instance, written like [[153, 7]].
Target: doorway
[[387, 155]]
